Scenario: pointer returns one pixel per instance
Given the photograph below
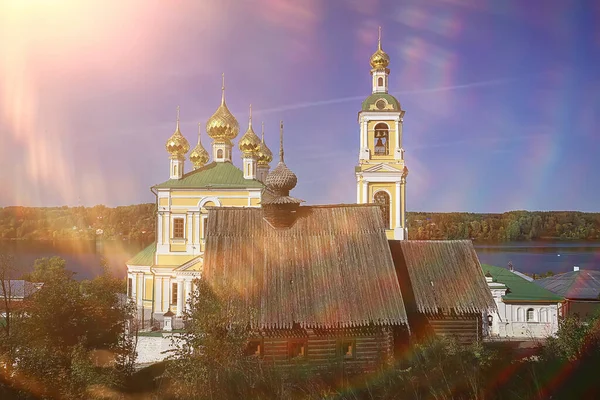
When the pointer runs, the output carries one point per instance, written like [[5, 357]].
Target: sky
[[502, 98]]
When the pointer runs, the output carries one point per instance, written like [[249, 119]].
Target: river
[[84, 257]]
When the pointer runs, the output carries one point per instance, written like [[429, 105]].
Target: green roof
[[144, 257], [372, 99], [214, 175], [520, 289]]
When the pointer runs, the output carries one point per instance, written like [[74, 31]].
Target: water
[[540, 257], [84, 257]]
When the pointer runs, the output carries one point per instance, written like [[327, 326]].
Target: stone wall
[[152, 347]]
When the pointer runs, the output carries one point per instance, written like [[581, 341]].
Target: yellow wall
[[147, 287], [163, 201], [170, 260]]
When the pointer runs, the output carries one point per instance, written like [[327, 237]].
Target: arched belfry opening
[[381, 139], [383, 199]]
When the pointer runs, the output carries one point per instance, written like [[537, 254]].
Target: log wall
[[371, 348]]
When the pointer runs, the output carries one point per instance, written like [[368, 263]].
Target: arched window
[[383, 199], [220, 153], [380, 81], [530, 314], [381, 139]]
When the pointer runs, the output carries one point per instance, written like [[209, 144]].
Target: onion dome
[[380, 59], [222, 125], [281, 179], [264, 153], [199, 156], [249, 143], [177, 145]]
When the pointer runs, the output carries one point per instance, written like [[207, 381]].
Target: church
[[160, 277]]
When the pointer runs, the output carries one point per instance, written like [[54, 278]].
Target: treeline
[[506, 227], [43, 223], [139, 222]]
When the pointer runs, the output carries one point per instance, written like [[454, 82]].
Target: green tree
[[210, 354], [48, 269], [74, 339]]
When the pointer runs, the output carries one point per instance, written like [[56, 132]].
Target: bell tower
[[381, 172]]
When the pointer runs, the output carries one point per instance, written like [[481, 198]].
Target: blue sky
[[502, 98]]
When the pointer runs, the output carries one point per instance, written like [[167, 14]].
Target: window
[[529, 314], [380, 82], [346, 348], [381, 137], [383, 199], [255, 348], [130, 287], [297, 348], [220, 153], [174, 293], [177, 228]]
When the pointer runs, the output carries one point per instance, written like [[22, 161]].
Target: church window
[[204, 227], [220, 153], [178, 228], [529, 314], [130, 287], [381, 138], [174, 293], [297, 348], [380, 81], [383, 199]]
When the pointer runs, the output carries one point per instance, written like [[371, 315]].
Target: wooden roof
[[441, 276], [331, 268]]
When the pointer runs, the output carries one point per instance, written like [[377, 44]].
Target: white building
[[525, 310]]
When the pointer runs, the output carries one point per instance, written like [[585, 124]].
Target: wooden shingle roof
[[331, 268], [444, 275]]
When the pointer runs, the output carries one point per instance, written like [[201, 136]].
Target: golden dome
[[380, 58], [281, 179], [264, 153], [249, 143], [199, 156], [177, 145], [222, 125]]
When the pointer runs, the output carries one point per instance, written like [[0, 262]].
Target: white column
[[140, 292], [188, 293], [365, 192], [134, 287], [159, 228], [158, 291], [357, 190], [398, 206], [166, 294], [397, 153], [179, 297], [197, 229]]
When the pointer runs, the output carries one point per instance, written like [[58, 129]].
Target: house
[[443, 287], [524, 310], [14, 293], [580, 289], [323, 285]]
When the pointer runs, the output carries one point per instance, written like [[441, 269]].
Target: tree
[[48, 269], [210, 354], [75, 336]]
